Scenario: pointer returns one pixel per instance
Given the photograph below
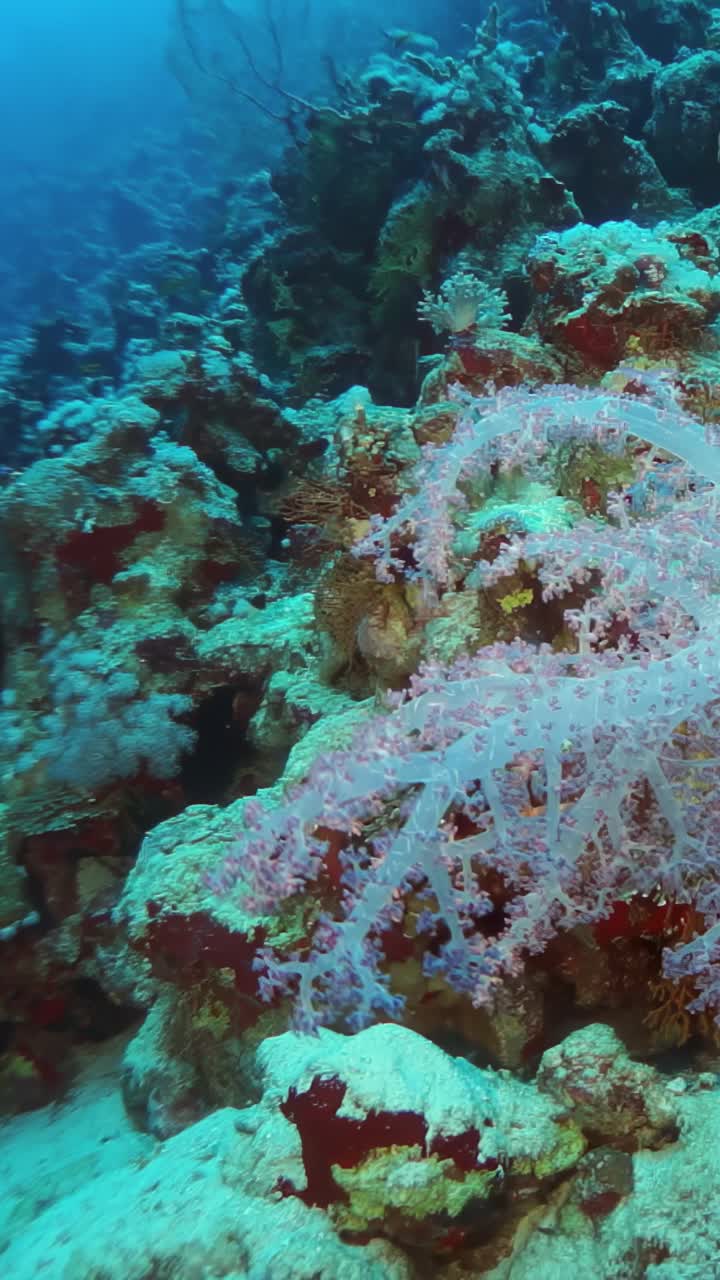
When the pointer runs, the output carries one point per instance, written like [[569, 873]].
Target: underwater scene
[[360, 639]]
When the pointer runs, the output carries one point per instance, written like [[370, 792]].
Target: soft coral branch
[[434, 795]]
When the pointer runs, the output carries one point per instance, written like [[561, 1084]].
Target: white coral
[[464, 302]]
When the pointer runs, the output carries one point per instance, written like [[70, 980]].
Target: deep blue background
[[101, 150]]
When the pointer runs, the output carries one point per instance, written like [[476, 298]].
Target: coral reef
[[359, 715]]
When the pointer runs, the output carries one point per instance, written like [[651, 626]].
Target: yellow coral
[[404, 1180], [516, 600]]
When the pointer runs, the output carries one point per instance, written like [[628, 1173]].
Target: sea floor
[[48, 1154]]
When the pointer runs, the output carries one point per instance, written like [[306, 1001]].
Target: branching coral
[[579, 778]]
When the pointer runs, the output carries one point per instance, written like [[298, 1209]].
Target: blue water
[[102, 150]]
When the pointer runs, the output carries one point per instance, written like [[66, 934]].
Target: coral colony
[[360, 860]]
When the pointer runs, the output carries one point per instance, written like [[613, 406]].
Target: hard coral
[[618, 1101], [401, 1140], [603, 293]]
